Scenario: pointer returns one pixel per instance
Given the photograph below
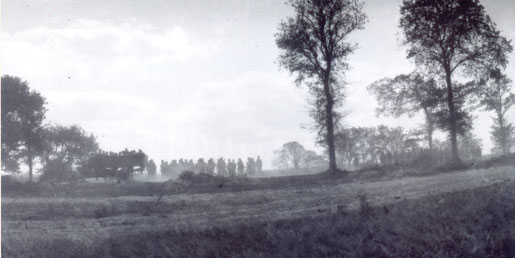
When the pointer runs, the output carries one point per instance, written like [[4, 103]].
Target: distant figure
[[259, 165], [231, 168], [191, 165], [241, 167], [174, 167], [182, 165], [201, 166], [221, 167], [251, 166], [210, 167]]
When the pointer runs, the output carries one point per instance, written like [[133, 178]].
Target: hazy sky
[[190, 79]]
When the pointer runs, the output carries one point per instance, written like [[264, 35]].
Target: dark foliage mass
[[361, 147], [65, 148]]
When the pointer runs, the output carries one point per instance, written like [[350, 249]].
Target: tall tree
[[496, 96], [313, 45], [23, 111], [449, 36], [407, 94]]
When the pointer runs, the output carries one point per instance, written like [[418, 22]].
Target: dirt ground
[[88, 219]]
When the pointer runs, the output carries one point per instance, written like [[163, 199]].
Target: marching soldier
[[174, 167], [201, 166], [210, 167], [259, 165], [241, 167], [220, 167], [231, 167], [251, 166]]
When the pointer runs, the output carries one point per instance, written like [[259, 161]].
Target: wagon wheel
[[123, 174]]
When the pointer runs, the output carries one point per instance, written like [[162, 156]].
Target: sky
[[198, 78]]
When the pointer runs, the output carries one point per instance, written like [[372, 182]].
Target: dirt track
[[197, 210]]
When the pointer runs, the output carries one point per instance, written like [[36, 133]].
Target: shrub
[[186, 175], [56, 170], [191, 177]]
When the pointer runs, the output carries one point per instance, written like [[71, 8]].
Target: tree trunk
[[452, 117], [330, 124], [29, 161], [430, 130], [504, 134]]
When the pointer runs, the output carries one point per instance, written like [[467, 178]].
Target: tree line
[[458, 52], [382, 145]]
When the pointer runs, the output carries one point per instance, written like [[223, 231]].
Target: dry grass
[[472, 223], [323, 215]]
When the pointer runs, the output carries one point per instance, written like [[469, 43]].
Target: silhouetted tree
[[496, 96], [447, 36], [313, 46], [65, 147], [69, 144], [408, 94], [23, 111]]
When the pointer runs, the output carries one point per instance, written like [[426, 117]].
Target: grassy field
[[371, 213]]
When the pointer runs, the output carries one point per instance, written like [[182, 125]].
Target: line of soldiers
[[116, 154], [221, 167]]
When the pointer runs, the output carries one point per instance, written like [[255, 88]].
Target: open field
[[86, 214]]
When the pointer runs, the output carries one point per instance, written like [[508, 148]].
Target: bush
[[186, 175], [10, 183], [191, 177], [56, 170]]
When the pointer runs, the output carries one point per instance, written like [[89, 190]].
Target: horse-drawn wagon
[[121, 166]]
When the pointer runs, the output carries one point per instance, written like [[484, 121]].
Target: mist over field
[[305, 128]]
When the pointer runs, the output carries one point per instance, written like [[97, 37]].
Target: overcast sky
[[197, 78]]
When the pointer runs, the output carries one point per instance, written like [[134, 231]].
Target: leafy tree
[[70, 145], [65, 147], [151, 168], [313, 46], [449, 36], [408, 94], [496, 96], [23, 111]]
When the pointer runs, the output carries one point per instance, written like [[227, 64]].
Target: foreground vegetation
[[469, 223], [475, 223]]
